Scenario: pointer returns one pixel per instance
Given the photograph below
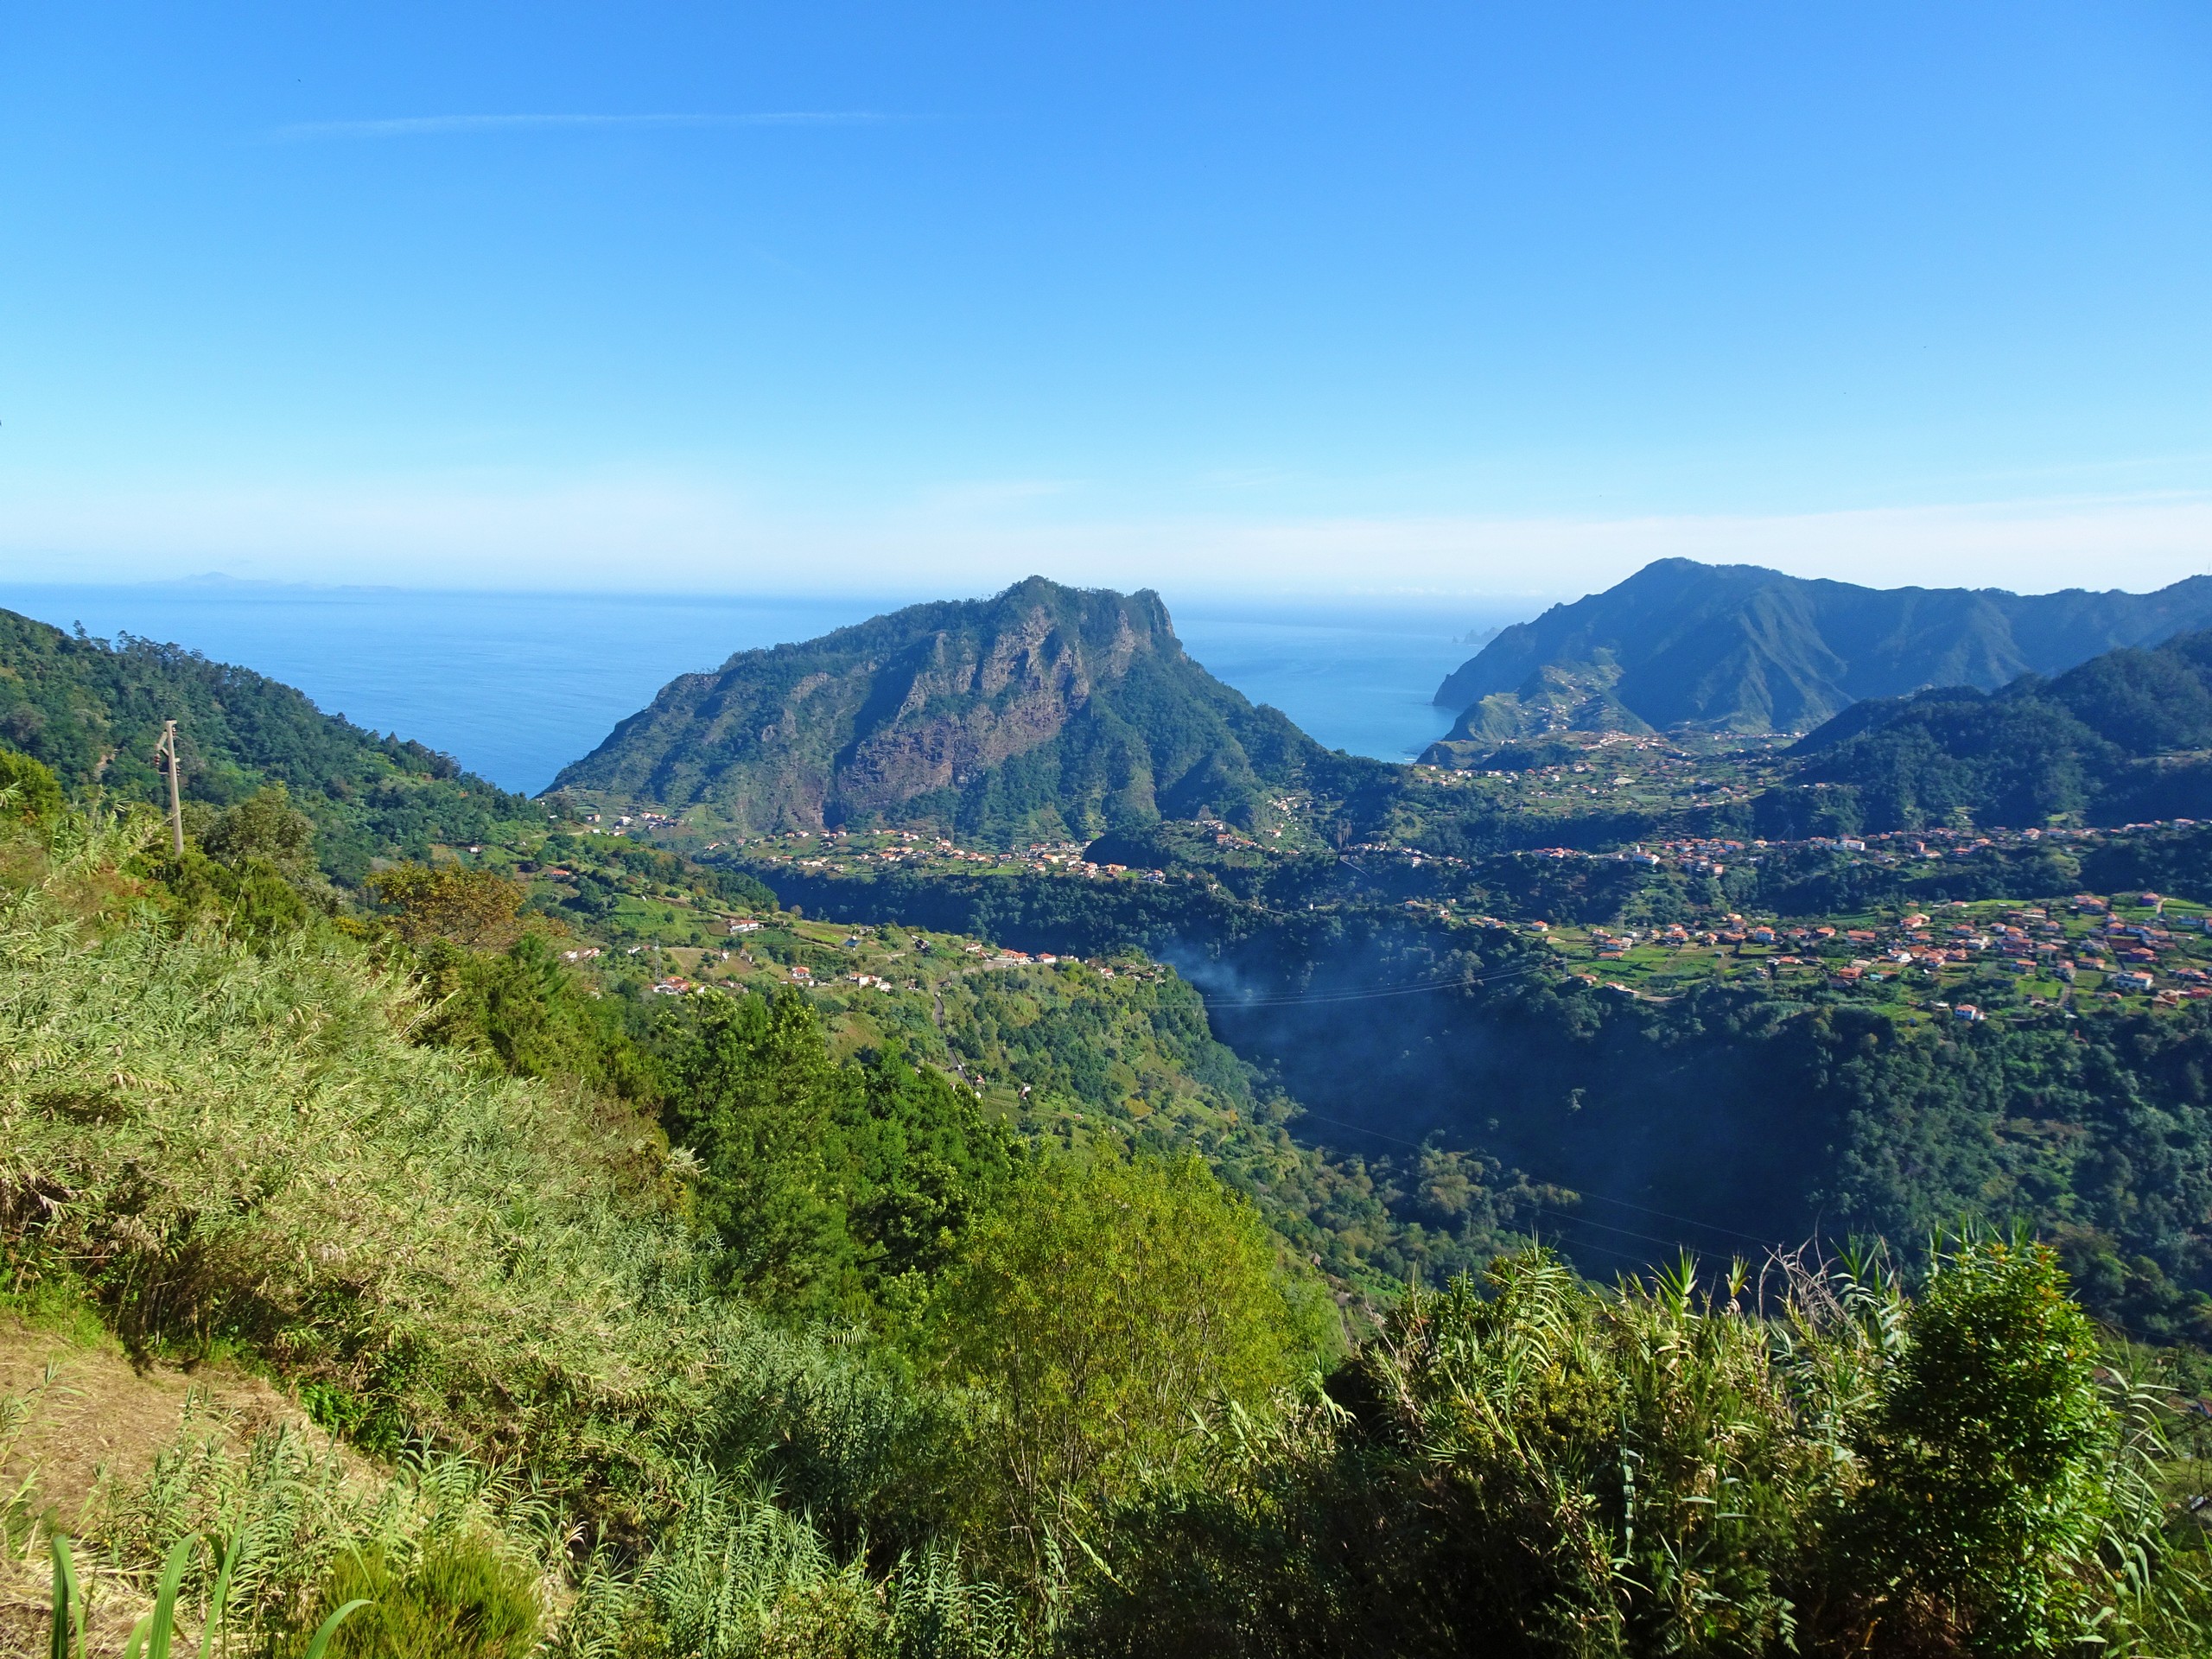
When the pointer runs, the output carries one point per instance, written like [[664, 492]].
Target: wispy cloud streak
[[425, 126]]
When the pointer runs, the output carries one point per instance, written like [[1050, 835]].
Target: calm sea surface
[[517, 685]]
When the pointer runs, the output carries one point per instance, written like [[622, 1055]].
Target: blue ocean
[[515, 685]]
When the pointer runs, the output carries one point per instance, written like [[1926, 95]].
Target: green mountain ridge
[[865, 1297], [1557, 697], [2118, 739], [92, 711], [1045, 711], [1742, 648]]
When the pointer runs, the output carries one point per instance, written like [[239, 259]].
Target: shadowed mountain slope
[[1043, 711], [1741, 648], [2121, 738]]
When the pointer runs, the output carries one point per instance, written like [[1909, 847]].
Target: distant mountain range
[[1740, 648], [1045, 712], [1051, 713]]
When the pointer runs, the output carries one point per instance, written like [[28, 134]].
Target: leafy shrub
[[526, 1010], [1987, 1458], [830, 1188], [1092, 1315], [33, 793], [265, 825], [253, 900], [473, 908]]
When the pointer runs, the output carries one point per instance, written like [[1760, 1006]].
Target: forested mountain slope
[[93, 712], [2116, 739], [1044, 711], [1742, 648], [861, 1296]]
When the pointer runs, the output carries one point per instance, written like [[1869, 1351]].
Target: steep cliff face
[[1740, 648], [1043, 711]]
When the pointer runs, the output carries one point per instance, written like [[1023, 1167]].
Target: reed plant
[[155, 1634], [485, 1287], [1686, 1465], [738, 1575]]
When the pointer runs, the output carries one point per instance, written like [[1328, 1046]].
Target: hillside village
[[841, 848], [1962, 961], [1577, 771], [1918, 958]]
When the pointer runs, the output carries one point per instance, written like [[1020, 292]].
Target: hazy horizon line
[[671, 535], [1210, 602]]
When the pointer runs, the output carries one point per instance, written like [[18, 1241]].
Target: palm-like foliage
[[1539, 1466]]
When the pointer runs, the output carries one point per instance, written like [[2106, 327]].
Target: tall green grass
[[238, 1150], [156, 1633]]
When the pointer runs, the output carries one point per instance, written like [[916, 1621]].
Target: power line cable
[[1686, 1220], [1284, 999], [1585, 1221], [1643, 1208]]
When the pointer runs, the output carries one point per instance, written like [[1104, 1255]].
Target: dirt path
[[93, 1417], [100, 1411]]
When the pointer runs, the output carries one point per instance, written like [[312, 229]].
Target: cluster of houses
[[2139, 957], [624, 822], [1044, 858], [1417, 856], [1713, 855]]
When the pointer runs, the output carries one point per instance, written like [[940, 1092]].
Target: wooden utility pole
[[167, 749]]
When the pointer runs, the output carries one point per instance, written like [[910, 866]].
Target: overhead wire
[[1641, 1209], [1418, 987], [1686, 1220], [1285, 999]]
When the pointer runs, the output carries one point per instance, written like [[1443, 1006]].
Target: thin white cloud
[[421, 126]]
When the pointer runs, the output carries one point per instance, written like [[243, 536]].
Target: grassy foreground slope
[[537, 1328], [236, 1144], [239, 1148], [234, 1150]]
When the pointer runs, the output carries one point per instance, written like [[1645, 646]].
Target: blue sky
[[1386, 300]]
